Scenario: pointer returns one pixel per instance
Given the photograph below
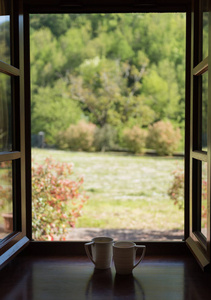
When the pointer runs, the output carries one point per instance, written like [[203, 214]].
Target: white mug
[[124, 254], [101, 249]]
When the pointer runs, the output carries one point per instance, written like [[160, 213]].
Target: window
[[12, 159], [67, 7], [200, 136], [18, 137]]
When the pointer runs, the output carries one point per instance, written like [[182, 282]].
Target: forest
[[112, 76]]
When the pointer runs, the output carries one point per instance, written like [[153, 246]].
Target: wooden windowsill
[[77, 248], [74, 277]]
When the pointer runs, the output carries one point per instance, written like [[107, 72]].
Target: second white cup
[[124, 255]]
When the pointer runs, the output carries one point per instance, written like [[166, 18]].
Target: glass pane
[[204, 110], [6, 199], [5, 113], [204, 199], [4, 31], [205, 26]]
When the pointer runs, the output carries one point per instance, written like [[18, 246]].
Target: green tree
[[107, 92], [53, 111], [57, 23], [47, 59], [161, 90], [123, 69], [5, 41]]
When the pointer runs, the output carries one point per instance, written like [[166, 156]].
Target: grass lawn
[[125, 191]]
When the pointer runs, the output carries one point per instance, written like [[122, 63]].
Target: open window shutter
[[12, 126], [200, 134]]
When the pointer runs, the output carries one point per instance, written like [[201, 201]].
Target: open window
[[12, 145], [15, 147], [199, 240], [80, 7]]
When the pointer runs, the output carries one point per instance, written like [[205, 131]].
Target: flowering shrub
[[6, 198], [163, 138], [57, 200], [135, 139], [176, 193], [204, 200], [78, 137], [6, 187]]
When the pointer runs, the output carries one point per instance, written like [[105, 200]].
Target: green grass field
[[125, 191]]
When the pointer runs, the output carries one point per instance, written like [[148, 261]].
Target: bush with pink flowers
[[176, 193], [57, 199]]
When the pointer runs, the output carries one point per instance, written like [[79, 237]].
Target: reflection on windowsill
[[101, 285]]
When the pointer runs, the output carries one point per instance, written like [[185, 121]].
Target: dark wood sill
[[42, 276], [77, 248]]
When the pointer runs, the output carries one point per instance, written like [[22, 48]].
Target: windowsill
[[66, 248], [74, 277]]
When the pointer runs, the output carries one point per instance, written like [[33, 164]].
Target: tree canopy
[[110, 69]]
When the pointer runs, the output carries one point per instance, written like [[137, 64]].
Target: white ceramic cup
[[124, 255], [101, 249]]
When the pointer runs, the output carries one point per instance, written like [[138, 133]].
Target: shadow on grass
[[86, 234]]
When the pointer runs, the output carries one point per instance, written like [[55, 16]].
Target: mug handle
[[88, 252], [143, 253]]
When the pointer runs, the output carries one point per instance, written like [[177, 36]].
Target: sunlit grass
[[125, 191]]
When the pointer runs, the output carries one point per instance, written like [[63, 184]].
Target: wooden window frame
[[199, 245], [77, 6], [15, 242]]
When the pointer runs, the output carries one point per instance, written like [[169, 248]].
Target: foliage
[[101, 86], [5, 40], [46, 59], [5, 109], [53, 111], [204, 196], [6, 186], [57, 200], [135, 139], [79, 137], [161, 89], [120, 69], [163, 138], [62, 22], [176, 191], [98, 89], [105, 138]]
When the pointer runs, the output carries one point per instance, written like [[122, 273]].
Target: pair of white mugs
[[123, 253]]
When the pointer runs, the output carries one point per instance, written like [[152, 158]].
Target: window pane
[[4, 31], [5, 113], [6, 199], [204, 199], [204, 110], [205, 25]]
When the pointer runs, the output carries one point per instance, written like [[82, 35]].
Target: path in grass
[[125, 191]]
